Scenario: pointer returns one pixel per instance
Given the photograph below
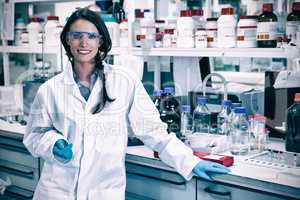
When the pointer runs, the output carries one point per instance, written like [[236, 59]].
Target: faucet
[[222, 79]]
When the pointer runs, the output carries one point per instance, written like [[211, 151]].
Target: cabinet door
[[213, 191], [152, 183]]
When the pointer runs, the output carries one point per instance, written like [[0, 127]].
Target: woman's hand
[[63, 150], [204, 166]]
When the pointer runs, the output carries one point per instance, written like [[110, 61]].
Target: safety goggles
[[76, 35]]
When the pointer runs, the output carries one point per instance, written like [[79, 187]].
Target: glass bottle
[[292, 140], [239, 136], [267, 27], [293, 21], [222, 118], [186, 121], [201, 116]]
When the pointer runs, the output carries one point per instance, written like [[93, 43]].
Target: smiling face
[[84, 41]]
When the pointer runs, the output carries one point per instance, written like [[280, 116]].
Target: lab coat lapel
[[69, 80]]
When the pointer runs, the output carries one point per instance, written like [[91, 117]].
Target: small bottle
[[167, 38], [246, 31], [52, 31], [211, 28], [34, 28], [227, 28], [292, 140], [239, 136], [185, 30], [200, 38], [137, 28], [19, 28], [199, 21], [293, 21], [201, 116], [186, 121], [169, 113], [232, 114], [222, 118], [267, 28]]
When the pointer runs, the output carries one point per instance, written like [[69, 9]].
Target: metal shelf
[[217, 52]]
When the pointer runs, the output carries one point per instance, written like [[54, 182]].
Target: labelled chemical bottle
[[157, 99], [222, 118], [169, 113], [267, 28], [239, 135], [186, 121], [292, 139], [293, 21], [201, 116], [227, 23]]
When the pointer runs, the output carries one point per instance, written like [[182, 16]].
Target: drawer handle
[[156, 178], [13, 148], [208, 190], [11, 193], [28, 174]]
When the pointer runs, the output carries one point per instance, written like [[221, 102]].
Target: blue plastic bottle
[[201, 116]]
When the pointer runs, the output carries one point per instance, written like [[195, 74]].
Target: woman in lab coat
[[79, 120]]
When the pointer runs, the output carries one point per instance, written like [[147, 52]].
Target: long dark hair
[[105, 47]]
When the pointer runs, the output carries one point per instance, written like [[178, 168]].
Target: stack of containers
[[227, 28], [185, 30]]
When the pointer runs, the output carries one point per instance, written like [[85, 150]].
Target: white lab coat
[[97, 169]]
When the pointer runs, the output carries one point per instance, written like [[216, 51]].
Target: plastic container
[[211, 28], [147, 25], [186, 124], [24, 38], [199, 21], [267, 28], [258, 133], [239, 136], [246, 31], [222, 118], [168, 38], [137, 28], [124, 33], [34, 28], [52, 31], [19, 28], [292, 140], [293, 21], [201, 116], [200, 38], [185, 30], [169, 113], [227, 23], [113, 28]]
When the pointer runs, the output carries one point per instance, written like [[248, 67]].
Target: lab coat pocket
[[112, 133]]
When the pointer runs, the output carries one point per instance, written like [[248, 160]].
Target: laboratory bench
[[149, 178]]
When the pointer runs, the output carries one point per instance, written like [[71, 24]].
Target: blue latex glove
[[204, 166], [63, 150]]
